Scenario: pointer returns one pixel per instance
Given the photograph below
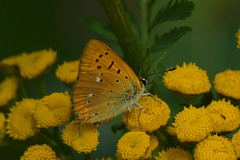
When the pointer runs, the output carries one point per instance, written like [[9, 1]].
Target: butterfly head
[[143, 81]]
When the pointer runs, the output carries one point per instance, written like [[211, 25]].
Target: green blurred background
[[27, 26]]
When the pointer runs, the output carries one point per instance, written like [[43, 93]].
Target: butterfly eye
[[144, 81]]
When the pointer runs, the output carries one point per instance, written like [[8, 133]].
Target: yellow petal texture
[[188, 80], [81, 137], [174, 154], [236, 143], [153, 145], [154, 114], [10, 61], [227, 83], [8, 90], [193, 124], [133, 145], [225, 116], [2, 126], [215, 148], [68, 71], [53, 110], [39, 152], [34, 64], [238, 38], [20, 122]]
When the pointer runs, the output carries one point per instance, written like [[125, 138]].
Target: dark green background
[[27, 26]]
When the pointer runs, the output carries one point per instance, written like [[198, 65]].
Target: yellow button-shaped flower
[[226, 117], [236, 143], [8, 90], [53, 110], [34, 64], [154, 114], [215, 148], [133, 145], [20, 122], [81, 137], [68, 71], [187, 81], [38, 152], [192, 124], [227, 83], [174, 154]]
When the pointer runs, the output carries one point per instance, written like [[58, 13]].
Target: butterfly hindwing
[[101, 95]]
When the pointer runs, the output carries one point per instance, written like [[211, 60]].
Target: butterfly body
[[106, 85]]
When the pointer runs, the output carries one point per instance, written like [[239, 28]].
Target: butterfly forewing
[[98, 56]]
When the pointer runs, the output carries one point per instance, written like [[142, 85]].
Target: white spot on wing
[[90, 95], [97, 79]]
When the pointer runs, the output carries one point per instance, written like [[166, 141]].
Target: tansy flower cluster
[[198, 131], [30, 65]]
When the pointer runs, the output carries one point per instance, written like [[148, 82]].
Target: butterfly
[[106, 86]]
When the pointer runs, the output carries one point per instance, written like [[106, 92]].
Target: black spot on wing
[[111, 65]]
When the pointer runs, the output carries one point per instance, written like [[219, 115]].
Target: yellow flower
[[8, 90], [53, 110], [154, 114], [2, 126], [192, 124], [153, 145], [238, 38], [10, 61], [68, 71], [81, 137], [9, 65], [20, 122], [133, 145], [227, 83], [34, 64], [236, 143], [38, 152], [174, 154], [226, 117], [187, 81], [215, 148]]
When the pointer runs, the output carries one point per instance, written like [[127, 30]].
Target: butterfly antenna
[[143, 61], [161, 72]]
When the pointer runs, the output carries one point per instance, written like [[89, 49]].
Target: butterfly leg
[[136, 104], [149, 94]]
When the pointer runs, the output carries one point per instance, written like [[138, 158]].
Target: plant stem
[[120, 24], [41, 86]]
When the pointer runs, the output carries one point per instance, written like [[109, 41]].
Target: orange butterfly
[[105, 86]]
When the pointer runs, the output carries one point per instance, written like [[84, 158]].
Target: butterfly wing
[[93, 91], [99, 56], [101, 95]]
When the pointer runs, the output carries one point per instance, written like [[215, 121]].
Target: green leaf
[[98, 27], [164, 41], [178, 11]]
